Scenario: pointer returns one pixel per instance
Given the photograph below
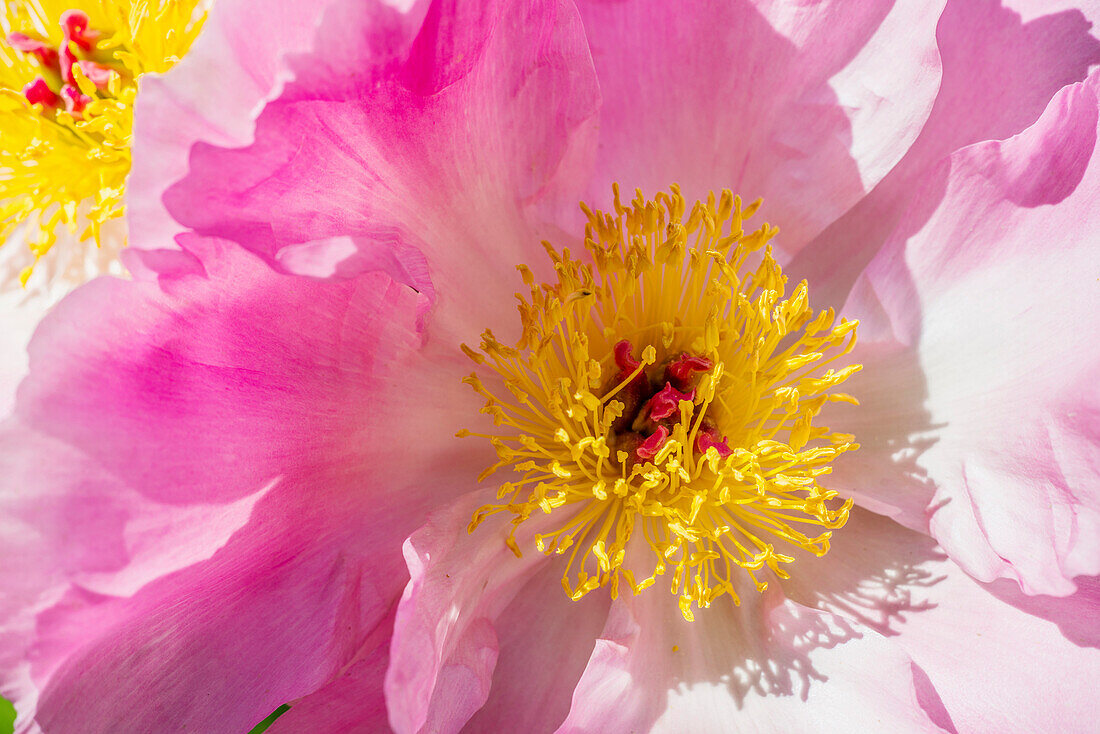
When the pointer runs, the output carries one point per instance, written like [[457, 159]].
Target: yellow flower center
[[661, 403], [68, 77]]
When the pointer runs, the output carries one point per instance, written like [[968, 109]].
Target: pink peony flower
[[235, 486]]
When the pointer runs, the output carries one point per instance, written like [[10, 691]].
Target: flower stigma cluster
[[68, 79], [661, 403]]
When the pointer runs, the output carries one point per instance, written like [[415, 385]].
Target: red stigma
[[28, 45], [624, 357], [75, 100], [650, 415], [679, 371], [708, 437], [74, 24], [648, 448], [39, 92], [78, 36], [667, 402], [66, 59]]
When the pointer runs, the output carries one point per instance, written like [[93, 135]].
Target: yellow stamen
[[673, 285], [59, 169]]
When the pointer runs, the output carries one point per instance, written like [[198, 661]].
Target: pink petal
[[440, 152], [70, 522], [808, 108], [478, 626], [357, 40], [97, 73], [990, 54], [271, 617], [1004, 367], [74, 25], [314, 403], [207, 406], [351, 702], [211, 95], [444, 646], [46, 54], [769, 665]]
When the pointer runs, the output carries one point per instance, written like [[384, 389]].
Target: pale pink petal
[[20, 317], [990, 54], [1002, 63], [545, 640], [876, 573], [1031, 9], [996, 667], [211, 95], [71, 263], [1075, 614], [892, 425], [63, 518], [441, 153], [995, 300], [444, 646], [769, 665], [479, 626], [305, 416], [807, 105]]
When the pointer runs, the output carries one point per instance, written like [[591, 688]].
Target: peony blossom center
[[651, 404], [660, 405], [66, 109], [72, 65]]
